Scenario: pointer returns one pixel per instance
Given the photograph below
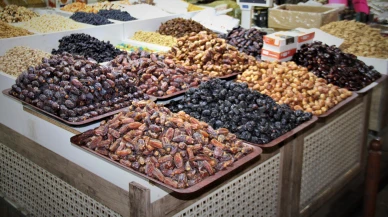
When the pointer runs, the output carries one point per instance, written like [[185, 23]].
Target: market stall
[[187, 123]]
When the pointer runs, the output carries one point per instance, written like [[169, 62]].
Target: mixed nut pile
[[8, 31], [209, 55], [360, 39], [155, 38], [90, 18], [249, 41], [175, 149], [252, 116], [14, 14], [338, 68], [75, 88], [179, 27], [293, 85], [154, 74], [88, 46], [51, 23], [19, 58]]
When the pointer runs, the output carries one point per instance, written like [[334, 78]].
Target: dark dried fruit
[[252, 116], [338, 68]]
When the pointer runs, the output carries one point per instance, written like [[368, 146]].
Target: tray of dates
[[79, 123], [174, 150], [74, 89], [339, 105], [254, 117], [183, 91], [373, 84]]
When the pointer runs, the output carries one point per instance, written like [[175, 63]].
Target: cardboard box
[[279, 42], [303, 36], [270, 55], [293, 16]]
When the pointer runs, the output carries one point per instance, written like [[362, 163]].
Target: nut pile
[[249, 41], [155, 38], [74, 88], [116, 15], [90, 18], [252, 116], [8, 31], [88, 46], [209, 55], [175, 149], [51, 23], [155, 75], [130, 48], [360, 39], [14, 13], [179, 27], [293, 85], [338, 68], [18, 59], [82, 7]]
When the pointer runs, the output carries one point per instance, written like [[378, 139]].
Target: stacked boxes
[[281, 46]]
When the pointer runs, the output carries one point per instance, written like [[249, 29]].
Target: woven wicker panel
[[41, 193], [330, 152], [254, 193]]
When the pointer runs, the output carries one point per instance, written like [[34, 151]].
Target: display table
[[294, 177], [46, 175]]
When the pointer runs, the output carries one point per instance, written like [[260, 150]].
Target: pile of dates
[[209, 55], [252, 116], [293, 85], [175, 149], [338, 68], [88, 46], [179, 27], [154, 74], [75, 88], [90, 18], [249, 41], [116, 15]]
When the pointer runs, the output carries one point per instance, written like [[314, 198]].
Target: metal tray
[[178, 93], [372, 85], [339, 105], [76, 140], [93, 119], [286, 135]]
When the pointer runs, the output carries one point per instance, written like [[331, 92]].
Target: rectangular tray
[[373, 84], [76, 140], [339, 105], [286, 135], [90, 120], [178, 93]]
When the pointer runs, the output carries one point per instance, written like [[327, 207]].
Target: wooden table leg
[[372, 178]]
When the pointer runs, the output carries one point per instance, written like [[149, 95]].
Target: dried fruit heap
[[293, 85], [175, 149], [249, 41], [74, 88], [116, 15], [338, 68], [155, 75], [252, 116], [209, 55], [179, 27], [88, 46], [90, 18]]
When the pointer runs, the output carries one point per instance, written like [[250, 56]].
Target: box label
[[306, 37], [277, 55]]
